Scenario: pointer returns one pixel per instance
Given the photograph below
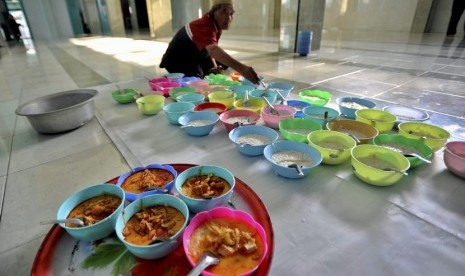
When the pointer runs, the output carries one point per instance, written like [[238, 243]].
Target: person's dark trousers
[[457, 10]]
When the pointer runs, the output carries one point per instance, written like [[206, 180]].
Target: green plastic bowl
[[381, 120], [124, 96], [214, 79], [434, 136], [315, 97], [151, 104], [334, 146], [370, 161], [406, 145], [297, 129], [178, 91], [225, 97]]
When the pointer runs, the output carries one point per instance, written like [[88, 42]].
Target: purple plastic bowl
[[454, 157]]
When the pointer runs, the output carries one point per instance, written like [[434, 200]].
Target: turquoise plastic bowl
[[196, 205], [316, 113], [285, 171], [157, 250], [240, 90], [96, 231], [194, 98], [249, 149], [258, 93], [349, 112], [202, 130], [299, 106], [284, 88], [175, 110]]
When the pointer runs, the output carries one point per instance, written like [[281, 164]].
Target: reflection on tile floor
[[422, 71]]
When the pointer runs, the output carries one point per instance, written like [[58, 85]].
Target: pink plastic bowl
[[223, 212], [153, 82], [166, 86], [454, 157], [251, 115], [285, 112], [198, 85]]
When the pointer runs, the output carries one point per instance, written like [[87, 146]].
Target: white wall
[[382, 15], [61, 19]]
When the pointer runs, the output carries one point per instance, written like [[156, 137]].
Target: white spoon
[[207, 259], [71, 220]]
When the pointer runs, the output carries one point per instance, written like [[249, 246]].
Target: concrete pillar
[[160, 19], [300, 15]]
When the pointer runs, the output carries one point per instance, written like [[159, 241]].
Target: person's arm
[[219, 54]]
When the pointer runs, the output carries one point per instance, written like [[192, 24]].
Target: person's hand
[[250, 74], [217, 70]]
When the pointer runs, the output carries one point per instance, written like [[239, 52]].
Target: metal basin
[[59, 112]]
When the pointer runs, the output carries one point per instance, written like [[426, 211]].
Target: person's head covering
[[217, 2]]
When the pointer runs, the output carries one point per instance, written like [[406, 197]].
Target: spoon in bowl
[[156, 188], [121, 91], [411, 154], [77, 221], [271, 107], [394, 170], [206, 259], [283, 99], [297, 167], [246, 102]]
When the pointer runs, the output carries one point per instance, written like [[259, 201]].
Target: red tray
[[52, 258]]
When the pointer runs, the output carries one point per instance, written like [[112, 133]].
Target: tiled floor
[[38, 171]]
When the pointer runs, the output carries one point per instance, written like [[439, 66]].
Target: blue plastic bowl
[[299, 105], [250, 149], [316, 113], [258, 93], [183, 81], [284, 88], [201, 130], [240, 90], [157, 250], [196, 205], [174, 76], [175, 110], [349, 112], [285, 171], [194, 98], [168, 186], [96, 231]]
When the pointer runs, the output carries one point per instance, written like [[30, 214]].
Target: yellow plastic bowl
[[434, 136], [334, 146], [297, 129], [151, 104], [381, 120], [363, 132], [373, 164], [225, 97], [255, 105]]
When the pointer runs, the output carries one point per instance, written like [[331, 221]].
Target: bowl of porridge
[[348, 105], [292, 159], [297, 129], [198, 123], [283, 112], [320, 114], [255, 104], [381, 120], [217, 108], [238, 117], [434, 137], [334, 146], [407, 146], [315, 97], [252, 140], [377, 165], [362, 133]]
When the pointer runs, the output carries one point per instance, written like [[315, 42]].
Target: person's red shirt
[[203, 32]]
